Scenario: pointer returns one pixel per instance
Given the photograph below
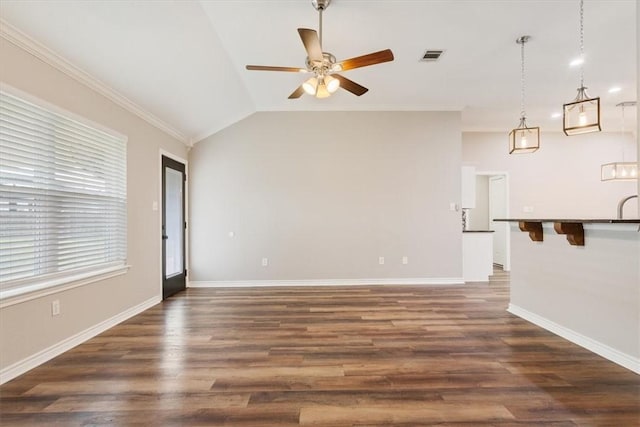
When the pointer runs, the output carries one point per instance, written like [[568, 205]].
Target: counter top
[[477, 231], [573, 228], [583, 220]]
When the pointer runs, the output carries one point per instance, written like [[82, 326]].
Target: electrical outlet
[[527, 209], [265, 262], [232, 234], [381, 260], [55, 307], [405, 260]]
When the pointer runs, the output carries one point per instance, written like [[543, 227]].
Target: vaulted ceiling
[[183, 61]]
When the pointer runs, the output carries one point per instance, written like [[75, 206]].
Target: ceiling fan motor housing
[[327, 65]]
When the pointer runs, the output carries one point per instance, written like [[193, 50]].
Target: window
[[62, 197]]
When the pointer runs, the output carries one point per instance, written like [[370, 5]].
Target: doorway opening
[[492, 202]]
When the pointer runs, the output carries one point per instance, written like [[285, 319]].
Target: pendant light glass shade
[[524, 139], [619, 171], [582, 115], [622, 170]]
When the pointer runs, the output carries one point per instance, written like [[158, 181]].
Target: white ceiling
[[183, 61]]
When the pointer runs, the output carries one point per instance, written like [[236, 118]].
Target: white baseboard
[[326, 282], [609, 353], [30, 362]]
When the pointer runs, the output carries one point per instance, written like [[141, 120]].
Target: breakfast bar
[[580, 279]]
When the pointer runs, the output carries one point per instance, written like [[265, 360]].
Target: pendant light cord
[[622, 135], [522, 112], [582, 43]]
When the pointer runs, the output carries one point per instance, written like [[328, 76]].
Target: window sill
[[22, 294]]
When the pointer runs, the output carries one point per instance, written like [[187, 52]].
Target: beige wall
[[28, 327], [562, 179], [322, 195]]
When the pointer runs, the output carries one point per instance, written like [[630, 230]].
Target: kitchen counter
[[572, 228], [587, 292], [477, 255], [582, 220]]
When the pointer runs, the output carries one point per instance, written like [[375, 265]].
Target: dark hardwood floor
[[332, 356]]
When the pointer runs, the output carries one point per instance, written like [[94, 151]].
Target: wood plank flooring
[[333, 356]]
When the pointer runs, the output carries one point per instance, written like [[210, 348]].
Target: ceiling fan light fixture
[[332, 83], [323, 91], [322, 64], [310, 86]]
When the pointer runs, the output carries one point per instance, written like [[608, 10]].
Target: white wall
[[28, 328], [561, 179], [322, 195]]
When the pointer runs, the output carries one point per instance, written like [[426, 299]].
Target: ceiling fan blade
[[297, 93], [365, 60], [311, 43], [270, 68], [350, 85]]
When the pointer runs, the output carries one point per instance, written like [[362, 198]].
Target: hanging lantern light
[[582, 115], [523, 139], [620, 171]]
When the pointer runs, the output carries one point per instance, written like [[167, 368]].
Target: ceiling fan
[[324, 65]]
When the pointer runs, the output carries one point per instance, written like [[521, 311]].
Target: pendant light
[[620, 171], [582, 115], [523, 139]]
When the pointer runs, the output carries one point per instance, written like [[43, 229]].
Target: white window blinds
[[62, 195]]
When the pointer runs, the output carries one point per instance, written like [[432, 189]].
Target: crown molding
[[43, 53]]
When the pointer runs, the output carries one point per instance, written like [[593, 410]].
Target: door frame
[[505, 174], [158, 204]]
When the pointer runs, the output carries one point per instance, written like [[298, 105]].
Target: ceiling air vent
[[432, 55]]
